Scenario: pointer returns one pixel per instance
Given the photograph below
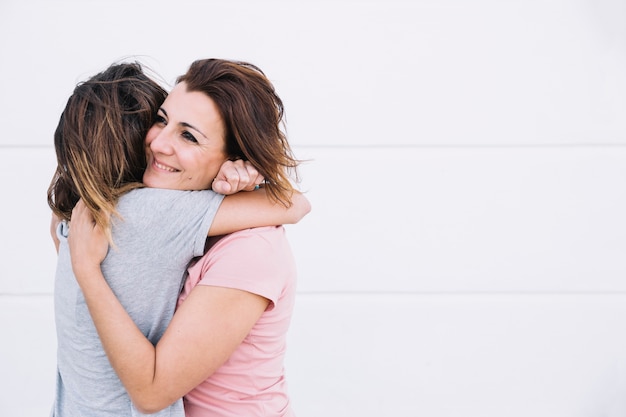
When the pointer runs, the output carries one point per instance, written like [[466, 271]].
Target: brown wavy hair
[[253, 115], [99, 141]]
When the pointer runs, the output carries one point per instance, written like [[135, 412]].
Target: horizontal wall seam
[[405, 146]]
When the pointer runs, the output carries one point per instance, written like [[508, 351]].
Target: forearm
[[131, 354], [255, 209]]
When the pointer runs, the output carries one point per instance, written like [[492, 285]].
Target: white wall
[[465, 253]]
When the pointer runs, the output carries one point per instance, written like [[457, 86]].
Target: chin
[[149, 181]]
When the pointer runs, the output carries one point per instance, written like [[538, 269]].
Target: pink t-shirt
[[252, 382]]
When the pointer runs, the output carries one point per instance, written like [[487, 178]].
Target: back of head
[[99, 140], [253, 117]]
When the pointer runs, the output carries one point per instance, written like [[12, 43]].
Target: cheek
[[217, 163], [211, 167]]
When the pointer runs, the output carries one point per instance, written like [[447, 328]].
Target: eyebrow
[[184, 124]]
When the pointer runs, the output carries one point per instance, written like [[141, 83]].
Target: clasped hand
[[234, 176]]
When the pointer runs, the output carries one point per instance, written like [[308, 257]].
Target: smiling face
[[186, 146]]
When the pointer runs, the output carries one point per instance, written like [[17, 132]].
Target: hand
[[87, 241], [235, 176]]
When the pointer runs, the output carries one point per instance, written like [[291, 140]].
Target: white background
[[465, 255]]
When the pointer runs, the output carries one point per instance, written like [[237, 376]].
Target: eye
[[160, 120], [188, 136]]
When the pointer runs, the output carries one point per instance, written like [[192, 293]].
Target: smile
[[164, 167]]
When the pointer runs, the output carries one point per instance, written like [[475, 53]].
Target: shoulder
[[257, 251], [257, 238], [257, 260], [259, 245], [157, 201], [142, 195]]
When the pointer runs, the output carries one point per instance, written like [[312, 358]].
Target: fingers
[[87, 241], [81, 214], [82, 224], [254, 177], [221, 186], [236, 176]]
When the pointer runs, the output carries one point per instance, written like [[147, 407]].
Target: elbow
[[150, 405], [306, 209], [302, 207], [145, 410], [148, 408]]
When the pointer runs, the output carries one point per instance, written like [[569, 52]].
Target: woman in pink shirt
[[225, 346], [251, 382]]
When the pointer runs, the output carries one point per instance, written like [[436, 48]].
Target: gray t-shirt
[[159, 233]]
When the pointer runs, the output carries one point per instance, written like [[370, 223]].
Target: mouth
[[162, 167]]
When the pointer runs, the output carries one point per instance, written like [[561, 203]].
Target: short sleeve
[[256, 260]]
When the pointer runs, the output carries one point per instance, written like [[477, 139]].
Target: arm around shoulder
[[245, 210]]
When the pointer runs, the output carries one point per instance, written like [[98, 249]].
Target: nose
[[160, 140]]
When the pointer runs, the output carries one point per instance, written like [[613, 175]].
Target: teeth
[[164, 167]]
